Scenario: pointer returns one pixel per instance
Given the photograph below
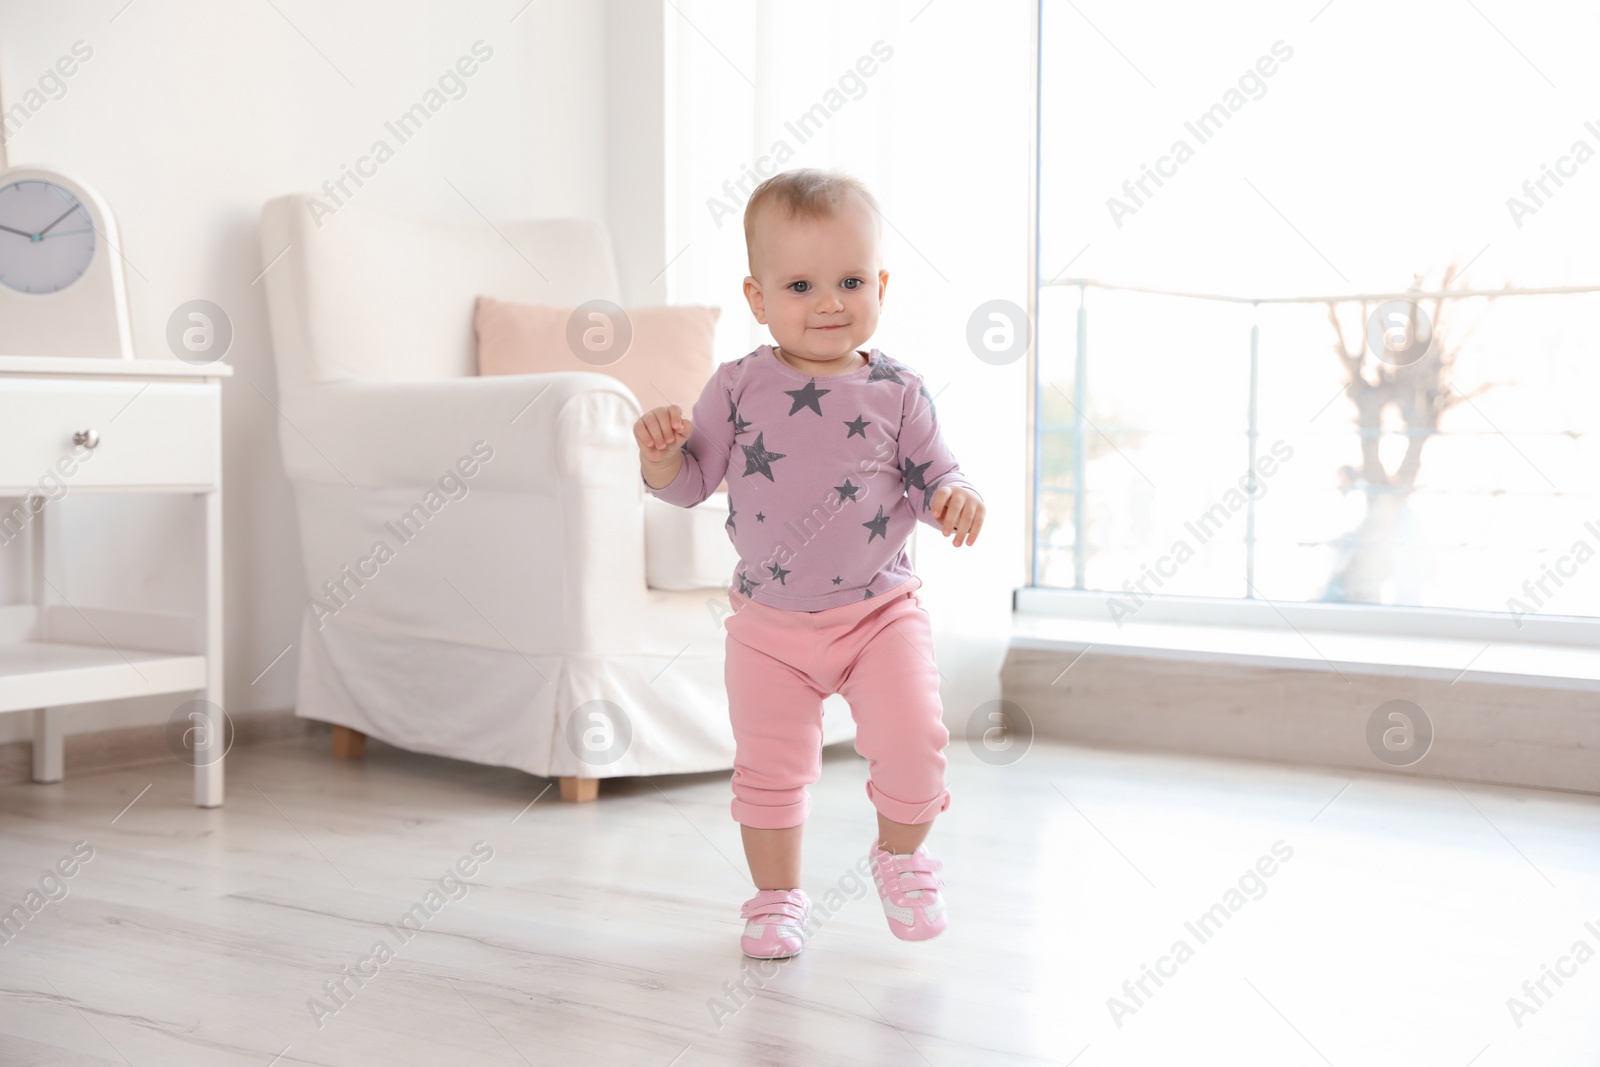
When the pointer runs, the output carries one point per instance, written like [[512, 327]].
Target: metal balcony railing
[[1078, 429]]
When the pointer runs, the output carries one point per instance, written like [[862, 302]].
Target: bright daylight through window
[[1311, 336]]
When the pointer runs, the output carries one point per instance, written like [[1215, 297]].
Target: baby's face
[[817, 284]]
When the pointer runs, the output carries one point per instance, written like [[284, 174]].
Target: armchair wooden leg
[[348, 743], [575, 789], [48, 744]]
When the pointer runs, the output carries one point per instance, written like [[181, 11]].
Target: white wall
[[635, 147], [187, 116]]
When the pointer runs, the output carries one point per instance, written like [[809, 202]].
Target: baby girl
[[832, 454]]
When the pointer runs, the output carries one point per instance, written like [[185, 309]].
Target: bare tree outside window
[[1399, 361]]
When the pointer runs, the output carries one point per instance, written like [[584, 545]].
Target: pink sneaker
[[910, 893], [778, 923]]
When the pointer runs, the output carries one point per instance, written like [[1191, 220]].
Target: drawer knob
[[87, 438]]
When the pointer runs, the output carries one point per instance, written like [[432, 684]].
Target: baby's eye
[[799, 287], [852, 283]]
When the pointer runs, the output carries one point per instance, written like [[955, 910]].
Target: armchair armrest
[[563, 457], [373, 434]]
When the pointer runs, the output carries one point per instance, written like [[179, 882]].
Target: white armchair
[[500, 616]]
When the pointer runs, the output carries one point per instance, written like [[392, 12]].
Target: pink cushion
[[668, 361]]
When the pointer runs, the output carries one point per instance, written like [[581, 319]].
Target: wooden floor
[[1405, 916]]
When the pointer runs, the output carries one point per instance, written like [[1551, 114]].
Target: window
[[1233, 221]]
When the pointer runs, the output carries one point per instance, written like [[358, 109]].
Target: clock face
[[47, 237]]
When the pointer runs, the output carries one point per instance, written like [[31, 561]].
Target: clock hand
[[64, 214], [19, 233]]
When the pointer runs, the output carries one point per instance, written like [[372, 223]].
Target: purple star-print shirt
[[827, 475]]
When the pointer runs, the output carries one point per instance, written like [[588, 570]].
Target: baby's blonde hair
[[805, 192]]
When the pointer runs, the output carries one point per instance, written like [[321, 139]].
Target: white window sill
[[1559, 653]]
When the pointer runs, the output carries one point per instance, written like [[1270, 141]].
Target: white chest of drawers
[[71, 426]]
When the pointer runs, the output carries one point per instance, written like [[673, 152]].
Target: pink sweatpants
[[877, 653]]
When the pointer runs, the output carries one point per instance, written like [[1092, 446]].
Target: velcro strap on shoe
[[782, 910], [784, 907], [912, 863], [914, 880]]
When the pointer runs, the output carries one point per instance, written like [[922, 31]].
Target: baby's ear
[[753, 296]]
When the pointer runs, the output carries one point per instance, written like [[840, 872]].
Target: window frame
[[1249, 610]]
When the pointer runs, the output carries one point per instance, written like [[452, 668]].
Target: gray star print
[[912, 473], [847, 491], [809, 397], [879, 526], [746, 586], [739, 425], [779, 573], [758, 459], [883, 371], [858, 425]]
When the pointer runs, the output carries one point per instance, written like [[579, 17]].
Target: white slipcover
[[518, 594]]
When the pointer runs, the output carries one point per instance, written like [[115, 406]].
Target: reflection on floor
[[1106, 908]]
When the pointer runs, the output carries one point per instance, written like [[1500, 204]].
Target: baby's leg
[[900, 838], [776, 714], [774, 856], [893, 690]]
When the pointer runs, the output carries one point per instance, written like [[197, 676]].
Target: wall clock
[[62, 288]]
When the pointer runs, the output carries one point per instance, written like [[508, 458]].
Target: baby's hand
[[660, 431], [958, 509]]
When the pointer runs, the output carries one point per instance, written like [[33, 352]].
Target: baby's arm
[[940, 494], [687, 457]]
